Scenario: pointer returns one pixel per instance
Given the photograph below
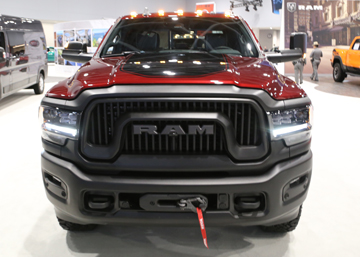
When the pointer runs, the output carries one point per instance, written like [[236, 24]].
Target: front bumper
[[274, 185]]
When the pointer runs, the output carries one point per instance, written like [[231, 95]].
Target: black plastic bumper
[[282, 200]]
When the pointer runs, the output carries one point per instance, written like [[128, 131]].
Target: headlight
[[57, 124], [293, 125]]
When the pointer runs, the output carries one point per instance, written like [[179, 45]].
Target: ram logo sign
[[291, 6], [310, 8], [174, 130]]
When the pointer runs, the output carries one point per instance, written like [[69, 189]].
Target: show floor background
[[329, 225], [325, 65]]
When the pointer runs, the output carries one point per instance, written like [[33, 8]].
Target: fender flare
[[338, 59]]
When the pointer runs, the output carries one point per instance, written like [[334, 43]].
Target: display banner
[[331, 23], [276, 6], [206, 7]]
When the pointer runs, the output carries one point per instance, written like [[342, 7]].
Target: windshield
[[168, 35]]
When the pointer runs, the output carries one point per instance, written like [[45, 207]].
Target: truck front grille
[[103, 115]]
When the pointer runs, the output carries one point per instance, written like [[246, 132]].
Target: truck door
[[4, 66], [353, 57]]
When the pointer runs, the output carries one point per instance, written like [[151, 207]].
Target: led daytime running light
[[56, 128], [287, 130]]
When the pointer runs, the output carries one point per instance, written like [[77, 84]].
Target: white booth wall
[[70, 10]]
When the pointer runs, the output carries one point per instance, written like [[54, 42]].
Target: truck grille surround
[[104, 121]]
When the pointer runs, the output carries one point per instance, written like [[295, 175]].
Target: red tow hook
[[201, 205]]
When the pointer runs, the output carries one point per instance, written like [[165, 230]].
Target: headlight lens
[[57, 124], [293, 125]]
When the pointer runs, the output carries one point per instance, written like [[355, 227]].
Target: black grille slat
[[242, 124], [99, 125], [112, 118], [93, 127], [105, 124], [255, 128], [249, 127], [132, 140], [103, 118]]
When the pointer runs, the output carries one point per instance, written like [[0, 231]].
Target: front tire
[[283, 227], [338, 73], [40, 86], [74, 226]]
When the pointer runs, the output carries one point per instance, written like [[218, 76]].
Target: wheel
[[283, 227], [40, 86], [74, 226], [338, 73]]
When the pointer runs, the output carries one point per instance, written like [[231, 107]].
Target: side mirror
[[76, 52], [298, 43]]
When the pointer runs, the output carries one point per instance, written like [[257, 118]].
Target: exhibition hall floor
[[329, 226]]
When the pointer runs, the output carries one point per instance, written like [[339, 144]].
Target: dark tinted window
[[2, 40], [2, 49], [214, 35], [16, 42]]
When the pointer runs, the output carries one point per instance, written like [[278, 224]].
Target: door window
[[356, 45], [16, 42]]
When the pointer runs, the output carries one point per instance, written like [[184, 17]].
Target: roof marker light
[[133, 14], [161, 12], [180, 12], [227, 14], [199, 12]]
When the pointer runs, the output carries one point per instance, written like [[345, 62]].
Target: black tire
[[283, 227], [40, 85], [74, 226], [338, 73]]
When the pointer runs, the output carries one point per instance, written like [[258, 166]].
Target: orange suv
[[346, 62]]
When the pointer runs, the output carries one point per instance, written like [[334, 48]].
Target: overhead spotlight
[[255, 7], [247, 8]]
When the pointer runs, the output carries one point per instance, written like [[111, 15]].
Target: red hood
[[205, 69]]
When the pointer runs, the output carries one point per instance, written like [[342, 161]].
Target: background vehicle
[[173, 108], [346, 62], [50, 54], [23, 62]]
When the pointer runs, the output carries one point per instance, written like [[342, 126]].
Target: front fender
[[337, 59]]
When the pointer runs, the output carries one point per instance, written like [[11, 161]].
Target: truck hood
[[178, 68]]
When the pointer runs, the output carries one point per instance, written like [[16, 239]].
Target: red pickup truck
[[177, 112]]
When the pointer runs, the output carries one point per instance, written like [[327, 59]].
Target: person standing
[[299, 67], [315, 56]]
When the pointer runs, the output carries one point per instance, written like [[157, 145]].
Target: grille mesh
[[104, 115]]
